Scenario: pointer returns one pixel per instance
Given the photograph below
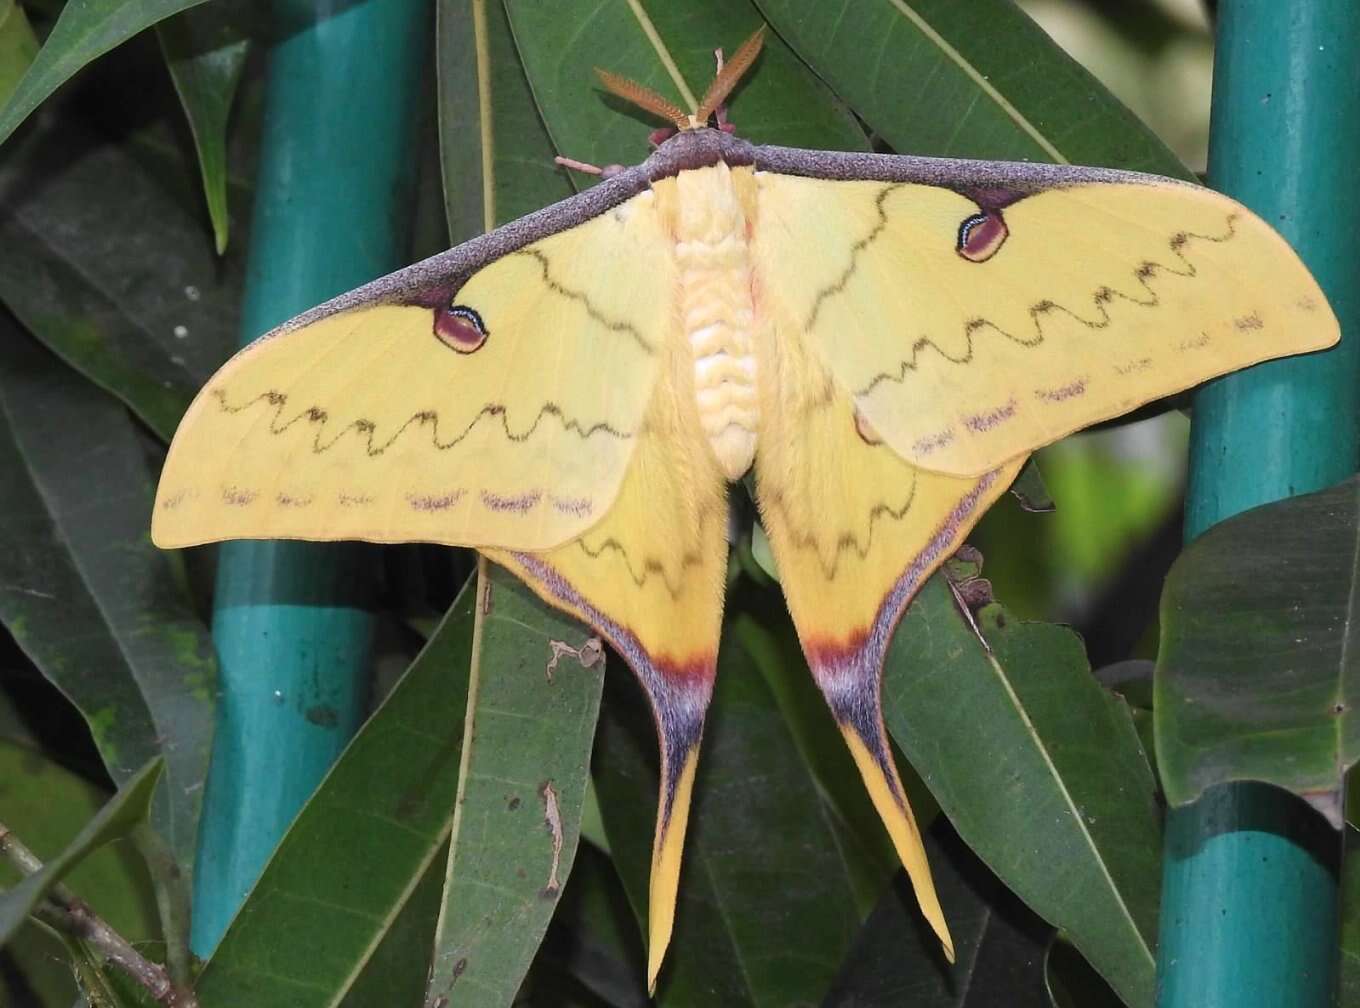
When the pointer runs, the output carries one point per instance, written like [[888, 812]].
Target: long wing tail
[[650, 578], [855, 531]]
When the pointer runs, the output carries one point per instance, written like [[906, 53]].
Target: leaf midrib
[[982, 83], [1070, 802]]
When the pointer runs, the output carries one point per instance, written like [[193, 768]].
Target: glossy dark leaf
[[360, 846], [85, 31], [767, 906], [1030, 491], [977, 79], [93, 604], [999, 943], [1256, 675], [1072, 983], [668, 47], [762, 627], [127, 290], [205, 48], [501, 116], [395, 973], [1039, 769]]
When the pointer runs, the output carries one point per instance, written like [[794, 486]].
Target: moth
[[884, 339]]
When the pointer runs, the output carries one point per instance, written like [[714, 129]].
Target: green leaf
[[667, 47], [532, 706], [360, 846], [18, 46], [85, 30], [761, 625], [395, 973], [521, 176], [102, 986], [1349, 972], [475, 961], [1072, 983], [46, 805], [977, 79], [205, 49], [125, 810], [1036, 766], [1030, 491], [999, 944], [126, 290], [594, 936], [1256, 674], [1132, 681], [767, 903], [87, 597]]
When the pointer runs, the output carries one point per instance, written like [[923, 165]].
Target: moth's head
[[729, 74]]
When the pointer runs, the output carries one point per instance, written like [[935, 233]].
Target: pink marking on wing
[[521, 504], [176, 499], [435, 502], [980, 423], [284, 500], [579, 506], [352, 500], [1195, 343], [1064, 392], [237, 497], [1141, 364], [1249, 322], [926, 445]]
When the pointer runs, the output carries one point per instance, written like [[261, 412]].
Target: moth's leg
[[607, 172]]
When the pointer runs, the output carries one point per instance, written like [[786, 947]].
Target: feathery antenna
[[644, 98], [730, 74]]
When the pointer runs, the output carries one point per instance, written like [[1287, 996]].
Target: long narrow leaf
[[123, 813], [95, 606], [18, 46], [127, 290], [359, 848], [85, 31], [532, 706], [767, 902], [977, 79], [1039, 769], [496, 155], [668, 47], [205, 48], [999, 944]]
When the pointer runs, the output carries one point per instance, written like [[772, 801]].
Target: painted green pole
[[1249, 902], [291, 621]]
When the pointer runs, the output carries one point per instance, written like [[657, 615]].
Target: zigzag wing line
[[368, 428], [847, 541], [1100, 298]]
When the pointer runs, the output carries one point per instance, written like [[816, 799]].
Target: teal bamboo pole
[[1249, 908], [291, 620]]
